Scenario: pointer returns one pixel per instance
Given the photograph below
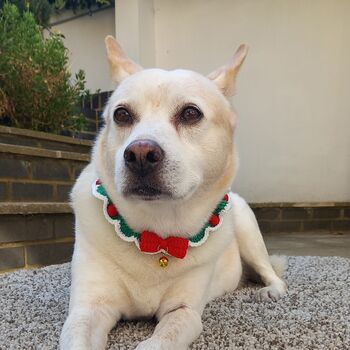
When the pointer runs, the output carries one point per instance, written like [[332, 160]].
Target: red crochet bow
[[152, 243]]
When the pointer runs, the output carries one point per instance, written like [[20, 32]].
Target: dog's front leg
[[176, 330], [95, 304], [253, 251], [87, 327]]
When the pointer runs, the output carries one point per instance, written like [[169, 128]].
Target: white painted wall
[[84, 38], [134, 27], [293, 94]]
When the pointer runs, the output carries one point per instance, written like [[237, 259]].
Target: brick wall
[[32, 240], [334, 218], [33, 178], [92, 107], [37, 172]]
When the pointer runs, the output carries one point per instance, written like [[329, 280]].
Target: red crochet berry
[[112, 210], [214, 220], [226, 197]]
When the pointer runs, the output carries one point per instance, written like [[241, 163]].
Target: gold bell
[[163, 261]]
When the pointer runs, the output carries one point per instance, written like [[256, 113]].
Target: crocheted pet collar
[[150, 242]]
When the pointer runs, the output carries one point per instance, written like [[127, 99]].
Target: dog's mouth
[[147, 192], [148, 188]]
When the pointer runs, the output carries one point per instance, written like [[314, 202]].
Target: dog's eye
[[122, 116], [190, 115]]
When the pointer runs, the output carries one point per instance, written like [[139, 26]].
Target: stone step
[[41, 152], [30, 208], [42, 140]]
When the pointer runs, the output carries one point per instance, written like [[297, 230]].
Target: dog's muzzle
[[143, 157]]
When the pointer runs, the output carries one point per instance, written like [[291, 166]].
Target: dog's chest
[[148, 285], [144, 299]]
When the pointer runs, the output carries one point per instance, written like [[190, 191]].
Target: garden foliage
[[44, 9], [36, 89]]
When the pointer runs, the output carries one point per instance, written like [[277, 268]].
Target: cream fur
[[112, 279]]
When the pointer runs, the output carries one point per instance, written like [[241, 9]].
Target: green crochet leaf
[[221, 206], [199, 236], [127, 231], [101, 190]]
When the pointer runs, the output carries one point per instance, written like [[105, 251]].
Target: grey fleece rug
[[314, 315]]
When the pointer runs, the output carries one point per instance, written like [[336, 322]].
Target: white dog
[[157, 231]]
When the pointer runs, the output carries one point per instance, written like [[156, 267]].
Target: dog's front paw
[[270, 293], [150, 344]]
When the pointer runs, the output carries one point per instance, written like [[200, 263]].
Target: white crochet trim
[[215, 228]]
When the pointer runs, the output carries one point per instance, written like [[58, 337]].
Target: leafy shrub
[[36, 91], [41, 9], [77, 5]]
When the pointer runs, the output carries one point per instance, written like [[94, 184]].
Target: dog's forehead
[[158, 85], [160, 78]]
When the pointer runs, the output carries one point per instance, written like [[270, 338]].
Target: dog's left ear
[[225, 76], [121, 65]]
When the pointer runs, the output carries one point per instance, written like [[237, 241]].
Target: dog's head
[[168, 134]]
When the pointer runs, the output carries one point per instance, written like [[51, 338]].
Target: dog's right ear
[[121, 65]]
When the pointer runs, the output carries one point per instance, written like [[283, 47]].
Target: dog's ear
[[225, 76], [121, 65]]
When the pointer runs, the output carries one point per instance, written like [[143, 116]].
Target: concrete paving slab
[[308, 243]]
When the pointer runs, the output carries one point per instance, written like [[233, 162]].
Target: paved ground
[[314, 243]]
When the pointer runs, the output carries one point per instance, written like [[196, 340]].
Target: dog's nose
[[143, 156]]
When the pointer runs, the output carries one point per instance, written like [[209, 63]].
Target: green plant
[[36, 90], [76, 5], [43, 9]]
